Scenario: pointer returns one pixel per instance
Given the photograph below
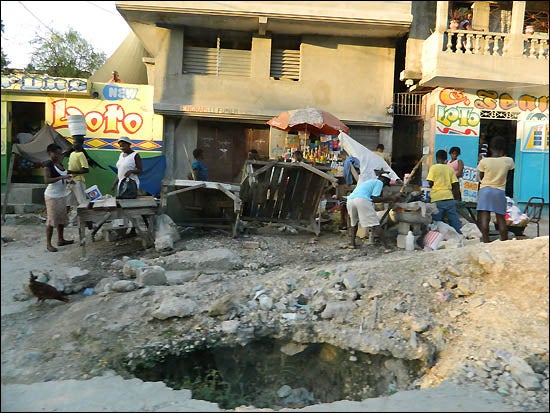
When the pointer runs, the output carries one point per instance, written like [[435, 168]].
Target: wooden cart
[[284, 192]]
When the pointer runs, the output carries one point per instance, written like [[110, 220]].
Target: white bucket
[[93, 193], [77, 125]]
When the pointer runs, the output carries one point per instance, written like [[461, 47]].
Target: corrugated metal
[[285, 64], [368, 136]]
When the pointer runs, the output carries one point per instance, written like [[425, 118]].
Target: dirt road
[[61, 348]]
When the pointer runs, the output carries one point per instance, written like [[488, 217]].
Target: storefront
[[468, 118], [110, 111]]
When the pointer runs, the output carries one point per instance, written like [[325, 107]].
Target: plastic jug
[[409, 241]]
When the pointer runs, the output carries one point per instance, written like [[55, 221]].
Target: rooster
[[44, 291]]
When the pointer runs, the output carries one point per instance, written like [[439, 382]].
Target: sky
[[97, 21]]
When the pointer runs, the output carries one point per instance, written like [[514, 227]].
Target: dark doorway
[[27, 119], [490, 128], [407, 146], [226, 147]]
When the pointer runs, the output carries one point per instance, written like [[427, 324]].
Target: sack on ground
[[127, 189], [470, 231], [166, 233]]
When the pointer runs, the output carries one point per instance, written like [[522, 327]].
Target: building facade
[[110, 111], [492, 80], [221, 70]]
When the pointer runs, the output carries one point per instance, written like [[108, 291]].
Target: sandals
[[388, 250], [65, 242], [351, 247], [51, 249]]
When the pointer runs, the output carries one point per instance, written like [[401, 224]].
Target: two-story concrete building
[[220, 70], [492, 80]]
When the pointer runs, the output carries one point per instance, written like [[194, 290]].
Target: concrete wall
[[347, 64], [421, 27], [351, 78], [399, 13]]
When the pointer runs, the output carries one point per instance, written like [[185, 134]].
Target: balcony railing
[[493, 44], [536, 47]]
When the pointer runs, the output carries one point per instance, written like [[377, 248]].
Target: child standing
[[200, 171]]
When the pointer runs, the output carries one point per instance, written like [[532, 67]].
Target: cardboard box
[[93, 193]]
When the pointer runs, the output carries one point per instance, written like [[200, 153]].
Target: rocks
[[510, 376], [131, 266], [523, 373], [175, 307], [369, 301], [153, 275]]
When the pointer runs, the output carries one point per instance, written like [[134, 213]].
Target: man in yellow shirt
[[78, 166], [445, 190]]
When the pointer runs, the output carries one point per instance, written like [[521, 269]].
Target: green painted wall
[[97, 176]]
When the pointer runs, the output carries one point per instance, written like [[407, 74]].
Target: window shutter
[[207, 61], [234, 62], [285, 64], [200, 60]]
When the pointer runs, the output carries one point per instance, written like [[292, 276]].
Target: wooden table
[[203, 203], [99, 212]]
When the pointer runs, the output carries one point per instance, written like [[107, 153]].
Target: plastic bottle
[[409, 241]]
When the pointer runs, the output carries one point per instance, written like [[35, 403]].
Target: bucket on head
[[77, 125], [93, 193]]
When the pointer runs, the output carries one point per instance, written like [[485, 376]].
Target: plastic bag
[[127, 189], [470, 231], [166, 233], [433, 239]]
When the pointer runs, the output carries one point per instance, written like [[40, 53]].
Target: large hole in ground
[[270, 374]]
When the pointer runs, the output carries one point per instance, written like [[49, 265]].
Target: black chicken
[[44, 291]]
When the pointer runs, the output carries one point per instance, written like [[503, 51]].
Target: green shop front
[[110, 110]]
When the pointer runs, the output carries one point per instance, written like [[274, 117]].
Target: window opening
[[285, 58], [214, 53]]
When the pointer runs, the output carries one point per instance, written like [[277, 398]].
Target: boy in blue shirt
[[360, 206], [200, 171]]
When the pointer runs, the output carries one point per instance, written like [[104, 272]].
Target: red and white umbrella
[[312, 120]]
